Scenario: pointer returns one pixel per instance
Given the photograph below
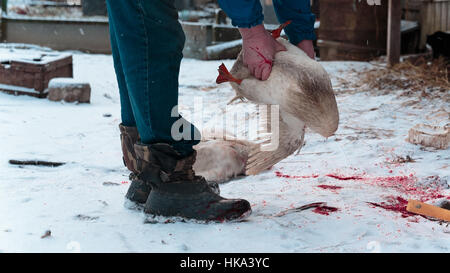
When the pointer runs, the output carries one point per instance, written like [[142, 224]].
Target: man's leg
[[125, 105], [150, 41], [128, 131]]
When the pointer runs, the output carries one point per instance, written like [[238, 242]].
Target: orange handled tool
[[424, 209]]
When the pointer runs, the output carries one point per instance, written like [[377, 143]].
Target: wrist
[[247, 33], [305, 42], [308, 47]]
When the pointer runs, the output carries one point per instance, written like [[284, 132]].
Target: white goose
[[302, 89]]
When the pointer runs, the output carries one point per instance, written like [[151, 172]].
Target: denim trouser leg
[[125, 105], [148, 40]]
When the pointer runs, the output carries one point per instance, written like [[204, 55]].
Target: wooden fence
[[433, 15]]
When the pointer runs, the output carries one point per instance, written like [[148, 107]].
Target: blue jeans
[[147, 42]]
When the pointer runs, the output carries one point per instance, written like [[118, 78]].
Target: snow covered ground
[[360, 164]]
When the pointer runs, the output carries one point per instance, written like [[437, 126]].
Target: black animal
[[440, 42]]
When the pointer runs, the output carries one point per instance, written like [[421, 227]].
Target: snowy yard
[[82, 202]]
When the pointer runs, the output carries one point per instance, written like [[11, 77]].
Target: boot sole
[[132, 205], [159, 219]]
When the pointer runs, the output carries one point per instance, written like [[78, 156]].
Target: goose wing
[[222, 155], [291, 134]]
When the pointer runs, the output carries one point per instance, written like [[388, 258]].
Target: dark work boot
[[128, 137], [177, 191], [138, 190]]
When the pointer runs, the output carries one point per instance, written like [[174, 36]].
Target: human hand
[[259, 48], [307, 47]]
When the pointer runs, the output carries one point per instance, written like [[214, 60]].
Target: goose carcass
[[300, 87]]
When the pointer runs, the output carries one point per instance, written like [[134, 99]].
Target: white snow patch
[[84, 215]]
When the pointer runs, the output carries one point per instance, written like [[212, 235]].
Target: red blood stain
[[329, 187], [124, 182], [265, 60], [335, 176], [397, 204], [325, 210], [406, 184]]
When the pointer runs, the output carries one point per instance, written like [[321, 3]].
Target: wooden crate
[[352, 30], [23, 76]]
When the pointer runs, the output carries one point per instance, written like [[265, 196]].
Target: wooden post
[[393, 39]]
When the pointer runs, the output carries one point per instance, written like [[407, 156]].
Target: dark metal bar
[[36, 163]]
